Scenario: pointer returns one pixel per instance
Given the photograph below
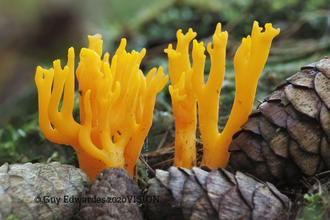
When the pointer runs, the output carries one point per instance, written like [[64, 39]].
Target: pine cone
[[288, 136], [26, 189], [113, 195], [198, 194]]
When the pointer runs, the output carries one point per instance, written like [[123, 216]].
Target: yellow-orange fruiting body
[[183, 101], [249, 62], [116, 106]]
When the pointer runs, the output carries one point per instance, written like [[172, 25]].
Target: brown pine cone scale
[[288, 135], [199, 194], [111, 191]]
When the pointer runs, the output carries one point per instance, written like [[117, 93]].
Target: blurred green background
[[37, 32]]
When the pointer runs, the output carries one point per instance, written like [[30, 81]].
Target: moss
[[12, 217], [314, 208]]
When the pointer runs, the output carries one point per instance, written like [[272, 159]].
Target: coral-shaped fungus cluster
[[117, 100]]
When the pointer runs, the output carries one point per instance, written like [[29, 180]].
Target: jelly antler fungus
[[183, 101], [249, 61], [116, 106]]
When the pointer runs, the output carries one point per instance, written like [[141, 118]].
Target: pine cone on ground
[[25, 190], [288, 135], [199, 194], [115, 194]]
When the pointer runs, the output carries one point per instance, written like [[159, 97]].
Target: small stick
[[21, 157], [322, 173], [165, 135], [147, 165], [163, 140]]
